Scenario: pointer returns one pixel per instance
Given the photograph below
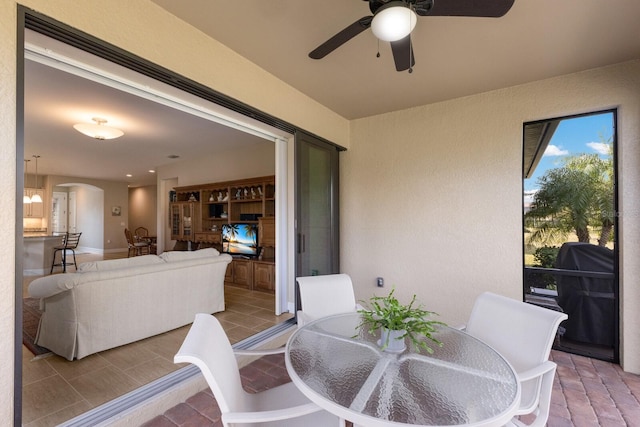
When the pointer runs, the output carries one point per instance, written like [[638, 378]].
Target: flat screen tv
[[240, 239]]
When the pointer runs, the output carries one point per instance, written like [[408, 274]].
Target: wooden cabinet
[[208, 238], [267, 232], [185, 219], [240, 273], [34, 210], [264, 276], [251, 274]]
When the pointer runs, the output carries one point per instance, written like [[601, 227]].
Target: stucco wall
[[431, 197]]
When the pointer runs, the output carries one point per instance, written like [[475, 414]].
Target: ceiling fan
[[404, 12]]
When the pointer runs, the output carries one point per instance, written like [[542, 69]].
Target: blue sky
[[573, 136]]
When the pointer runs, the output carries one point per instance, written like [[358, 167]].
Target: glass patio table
[[341, 368]]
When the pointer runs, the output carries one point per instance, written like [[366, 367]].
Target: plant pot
[[391, 342]]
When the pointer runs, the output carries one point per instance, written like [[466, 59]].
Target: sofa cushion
[[117, 264], [174, 256]]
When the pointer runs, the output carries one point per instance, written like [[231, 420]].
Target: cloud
[[599, 147], [554, 150]]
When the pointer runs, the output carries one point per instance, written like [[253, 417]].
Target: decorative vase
[[391, 342]]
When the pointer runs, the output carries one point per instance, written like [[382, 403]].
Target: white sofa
[[115, 302]]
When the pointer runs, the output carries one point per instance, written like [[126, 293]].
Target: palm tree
[[232, 232], [250, 231], [575, 197]]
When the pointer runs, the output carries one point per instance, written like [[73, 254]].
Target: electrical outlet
[[380, 282]]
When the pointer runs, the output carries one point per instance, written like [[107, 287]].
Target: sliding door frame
[[32, 20]]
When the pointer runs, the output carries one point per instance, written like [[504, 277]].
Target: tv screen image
[[240, 239]]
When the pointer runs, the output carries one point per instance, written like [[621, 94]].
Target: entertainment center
[[235, 217]]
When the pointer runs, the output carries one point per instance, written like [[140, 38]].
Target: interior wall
[[431, 197], [109, 236], [89, 216], [143, 206]]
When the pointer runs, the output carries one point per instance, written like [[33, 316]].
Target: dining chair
[[207, 346], [70, 242], [523, 334], [326, 295], [141, 234], [136, 248]]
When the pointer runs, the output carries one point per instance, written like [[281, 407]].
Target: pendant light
[[26, 199], [35, 198]]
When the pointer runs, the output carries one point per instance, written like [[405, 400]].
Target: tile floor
[[55, 390], [586, 393]]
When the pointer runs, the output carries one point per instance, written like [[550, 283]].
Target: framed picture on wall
[[115, 211]]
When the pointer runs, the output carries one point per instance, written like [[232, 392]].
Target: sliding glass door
[[317, 224]]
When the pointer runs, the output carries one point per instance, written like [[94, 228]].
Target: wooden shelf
[[257, 207]]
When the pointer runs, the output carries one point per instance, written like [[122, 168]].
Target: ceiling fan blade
[[476, 8], [403, 54], [341, 38]]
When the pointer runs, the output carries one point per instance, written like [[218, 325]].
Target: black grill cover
[[589, 302]]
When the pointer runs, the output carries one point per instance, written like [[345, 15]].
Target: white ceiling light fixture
[[98, 130], [393, 21], [26, 199], [35, 198]]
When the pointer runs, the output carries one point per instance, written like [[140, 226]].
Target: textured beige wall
[[431, 197]]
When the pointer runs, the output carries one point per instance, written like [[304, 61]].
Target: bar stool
[[69, 243]]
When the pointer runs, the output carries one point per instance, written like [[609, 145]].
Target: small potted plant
[[397, 322]]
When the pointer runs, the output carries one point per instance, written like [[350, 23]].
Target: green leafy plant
[[546, 258], [387, 312]]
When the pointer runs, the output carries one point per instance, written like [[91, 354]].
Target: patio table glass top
[[341, 367]]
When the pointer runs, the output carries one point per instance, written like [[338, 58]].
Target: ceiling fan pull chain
[[410, 43], [378, 54]]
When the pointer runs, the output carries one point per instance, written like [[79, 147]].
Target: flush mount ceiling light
[[393, 21], [98, 130]]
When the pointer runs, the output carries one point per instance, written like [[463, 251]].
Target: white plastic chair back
[[207, 346], [522, 333], [322, 296]]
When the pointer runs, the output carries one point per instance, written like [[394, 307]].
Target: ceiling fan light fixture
[[393, 21], [98, 130]]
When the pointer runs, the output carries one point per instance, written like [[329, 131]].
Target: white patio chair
[[207, 346], [523, 334], [322, 296]]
